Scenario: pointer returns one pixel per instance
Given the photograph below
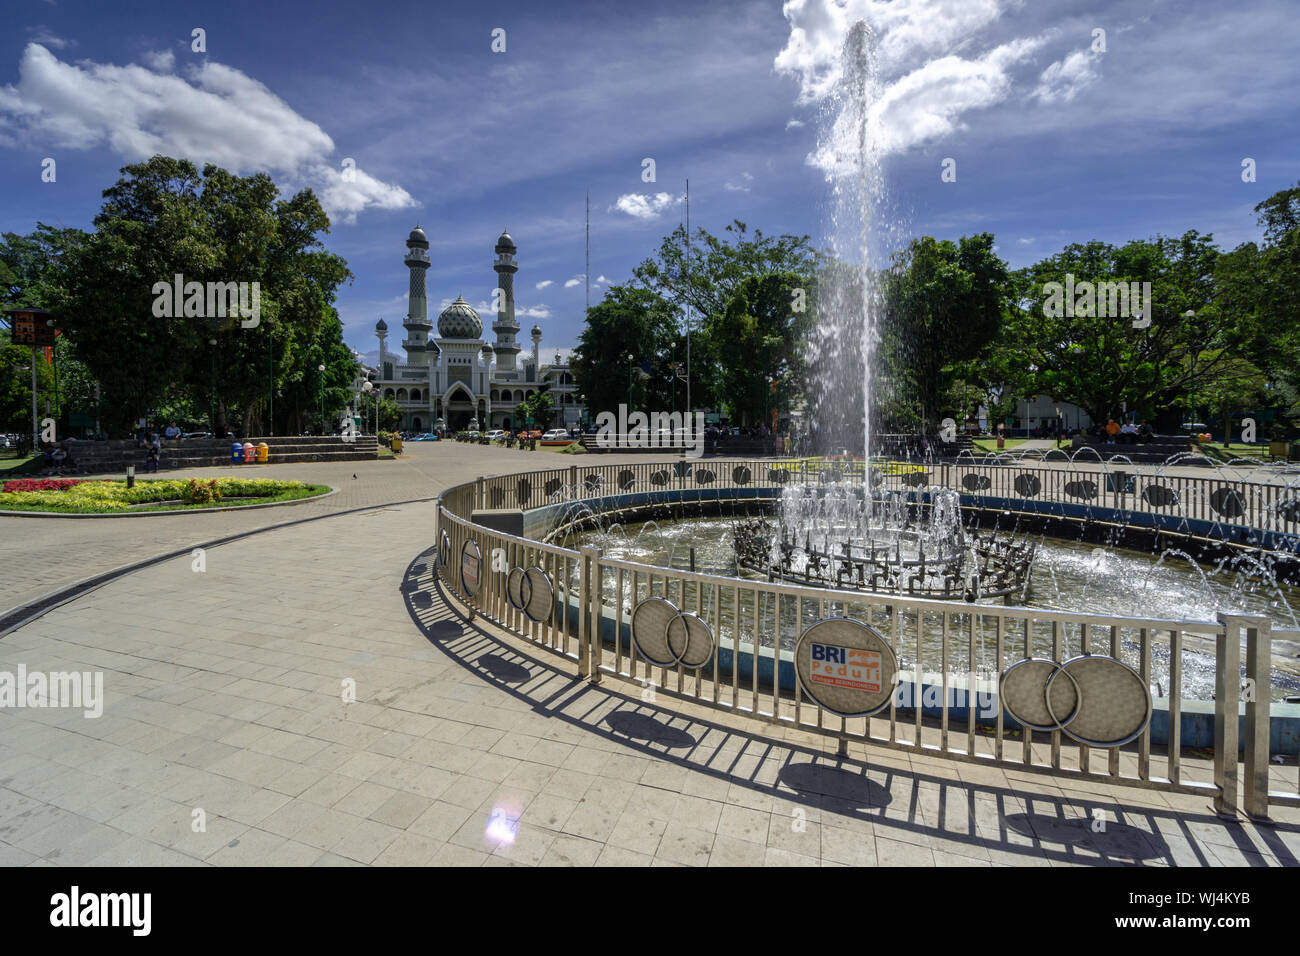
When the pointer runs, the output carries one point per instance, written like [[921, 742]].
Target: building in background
[[455, 379]]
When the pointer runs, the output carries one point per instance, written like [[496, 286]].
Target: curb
[[174, 511]]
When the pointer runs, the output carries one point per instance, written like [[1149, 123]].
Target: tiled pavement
[[224, 694]]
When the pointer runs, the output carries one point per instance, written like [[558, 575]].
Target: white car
[[556, 436], [496, 434]]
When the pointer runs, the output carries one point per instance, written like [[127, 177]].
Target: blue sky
[[1055, 141]]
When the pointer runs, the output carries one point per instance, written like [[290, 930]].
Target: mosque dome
[[381, 326], [505, 243], [418, 237], [537, 332], [459, 321]]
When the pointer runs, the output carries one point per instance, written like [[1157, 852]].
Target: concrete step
[[98, 458]]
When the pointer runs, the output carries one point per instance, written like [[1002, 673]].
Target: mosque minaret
[[457, 379]]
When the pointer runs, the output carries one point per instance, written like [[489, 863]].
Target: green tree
[[944, 304], [163, 218], [16, 388], [537, 408], [1238, 385], [702, 280], [1104, 363], [755, 345], [628, 321]]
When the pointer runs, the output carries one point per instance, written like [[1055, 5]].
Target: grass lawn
[[991, 444], [1234, 450], [113, 497], [11, 464]]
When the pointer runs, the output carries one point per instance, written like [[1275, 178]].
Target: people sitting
[[1128, 433], [1112, 429]]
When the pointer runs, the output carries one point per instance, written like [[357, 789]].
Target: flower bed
[[39, 484], [107, 497]]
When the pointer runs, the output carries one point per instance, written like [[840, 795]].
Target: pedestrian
[[154, 450]]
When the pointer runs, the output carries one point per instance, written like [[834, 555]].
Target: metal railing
[[950, 656]]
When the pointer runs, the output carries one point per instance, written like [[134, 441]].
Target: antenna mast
[[688, 301], [587, 268]]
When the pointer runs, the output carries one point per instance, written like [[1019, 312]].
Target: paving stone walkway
[[54, 553], [225, 702]]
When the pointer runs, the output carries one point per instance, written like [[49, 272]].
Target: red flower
[[39, 484]]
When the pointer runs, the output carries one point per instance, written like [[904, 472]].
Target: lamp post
[[367, 386], [212, 395], [270, 384], [54, 360], [321, 369], [630, 360]]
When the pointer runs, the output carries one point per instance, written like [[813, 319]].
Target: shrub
[[202, 492]]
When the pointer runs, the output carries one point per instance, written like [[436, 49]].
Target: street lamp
[[212, 396], [630, 360], [270, 385], [368, 386], [54, 358], [321, 369]]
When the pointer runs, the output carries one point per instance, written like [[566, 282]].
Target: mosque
[[457, 380]]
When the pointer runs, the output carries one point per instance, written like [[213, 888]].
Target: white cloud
[[214, 114], [1065, 78], [794, 124], [905, 29], [543, 284], [1028, 241], [160, 61], [640, 206], [925, 104], [739, 187], [47, 37], [576, 280], [345, 197], [532, 312]]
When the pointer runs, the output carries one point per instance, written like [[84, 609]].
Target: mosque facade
[[456, 379]]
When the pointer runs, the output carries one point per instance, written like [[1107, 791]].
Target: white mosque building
[[457, 380]]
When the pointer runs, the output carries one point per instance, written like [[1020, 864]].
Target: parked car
[[496, 434], [557, 436]]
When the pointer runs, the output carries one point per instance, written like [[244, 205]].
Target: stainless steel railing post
[[1259, 641], [1227, 694]]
